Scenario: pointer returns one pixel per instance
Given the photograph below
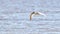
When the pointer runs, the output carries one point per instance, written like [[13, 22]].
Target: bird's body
[[36, 13]]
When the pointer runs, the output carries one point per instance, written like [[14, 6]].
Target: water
[[14, 17]]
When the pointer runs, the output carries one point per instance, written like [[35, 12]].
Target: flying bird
[[36, 13]]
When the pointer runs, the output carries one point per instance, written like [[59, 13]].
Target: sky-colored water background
[[14, 17]]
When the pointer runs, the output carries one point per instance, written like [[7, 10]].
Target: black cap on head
[[33, 12]]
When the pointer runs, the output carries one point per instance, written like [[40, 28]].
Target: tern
[[36, 13]]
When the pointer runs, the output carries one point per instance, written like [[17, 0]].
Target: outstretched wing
[[41, 13], [31, 15]]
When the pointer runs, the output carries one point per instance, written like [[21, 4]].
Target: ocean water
[[14, 17]]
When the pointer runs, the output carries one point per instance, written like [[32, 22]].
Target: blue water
[[14, 17]]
